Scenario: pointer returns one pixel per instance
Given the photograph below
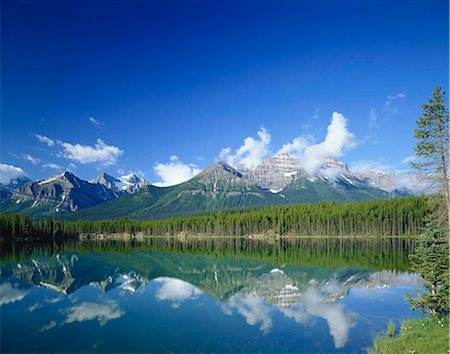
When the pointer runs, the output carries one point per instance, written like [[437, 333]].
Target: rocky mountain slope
[[57, 194], [274, 173]]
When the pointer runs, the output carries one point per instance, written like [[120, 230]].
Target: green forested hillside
[[399, 216], [304, 190]]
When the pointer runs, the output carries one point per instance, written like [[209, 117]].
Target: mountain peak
[[132, 177], [220, 168], [106, 180], [105, 175], [329, 162], [275, 172], [283, 156], [131, 183], [69, 176]]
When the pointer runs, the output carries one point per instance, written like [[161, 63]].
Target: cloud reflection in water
[[252, 307], [9, 293], [176, 290]]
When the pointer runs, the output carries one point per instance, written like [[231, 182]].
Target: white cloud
[[416, 183], [33, 160], [337, 140], [94, 121], [84, 154], [9, 294], [174, 172], [331, 173], [176, 290], [311, 156], [391, 99], [45, 140], [9, 172], [409, 159], [296, 147], [52, 166], [252, 307], [86, 311], [251, 153], [373, 117]]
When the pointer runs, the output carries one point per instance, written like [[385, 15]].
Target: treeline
[[398, 216]]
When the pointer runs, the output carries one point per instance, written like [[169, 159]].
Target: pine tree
[[431, 261], [433, 147]]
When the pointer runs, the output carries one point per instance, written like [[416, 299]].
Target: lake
[[211, 295]]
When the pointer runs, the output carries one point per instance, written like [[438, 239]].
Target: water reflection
[[9, 292], [86, 311], [176, 291], [313, 304], [186, 302], [252, 307]]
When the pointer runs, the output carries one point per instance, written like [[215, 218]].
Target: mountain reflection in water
[[180, 301]]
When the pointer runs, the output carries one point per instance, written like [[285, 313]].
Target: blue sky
[[158, 79]]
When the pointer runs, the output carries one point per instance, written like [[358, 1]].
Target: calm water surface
[[314, 296]]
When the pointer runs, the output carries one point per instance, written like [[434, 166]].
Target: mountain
[[277, 180], [120, 185], [6, 190], [14, 183], [281, 171], [274, 173], [131, 183], [107, 180], [61, 193], [220, 187], [394, 182], [313, 189]]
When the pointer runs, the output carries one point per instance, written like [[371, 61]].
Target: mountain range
[[277, 180]]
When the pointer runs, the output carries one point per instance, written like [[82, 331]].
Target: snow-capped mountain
[[61, 193], [106, 180], [123, 184], [277, 180], [66, 192], [131, 183], [277, 172]]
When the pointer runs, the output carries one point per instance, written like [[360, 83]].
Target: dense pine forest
[[398, 216]]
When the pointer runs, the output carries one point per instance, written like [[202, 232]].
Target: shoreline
[[186, 236]]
